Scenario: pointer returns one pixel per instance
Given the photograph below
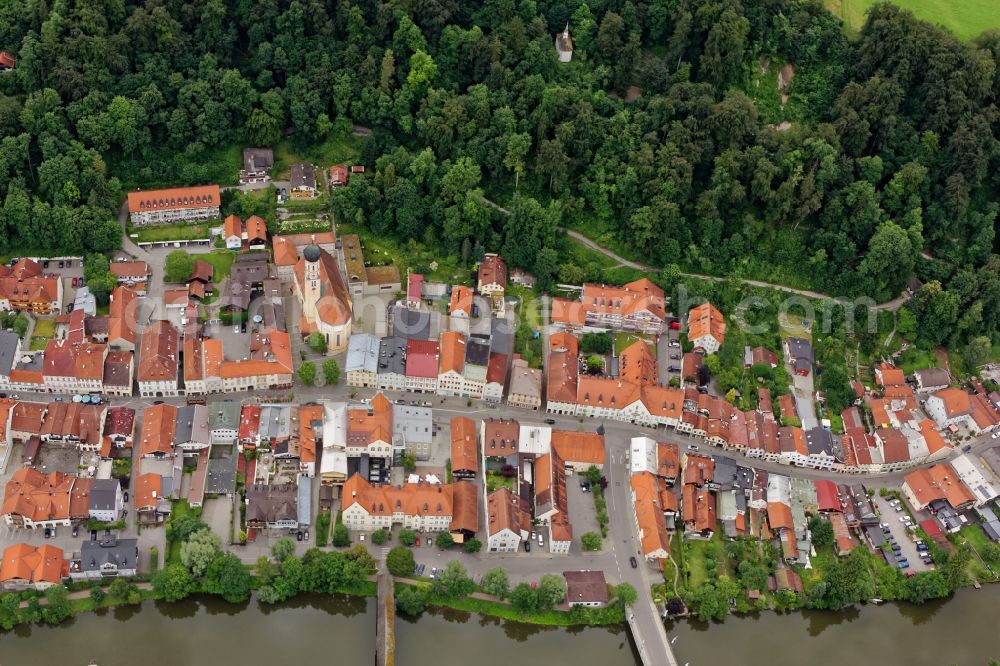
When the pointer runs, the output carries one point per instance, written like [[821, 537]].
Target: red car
[[74, 282], [418, 541]]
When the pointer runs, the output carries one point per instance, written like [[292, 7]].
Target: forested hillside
[[889, 149]]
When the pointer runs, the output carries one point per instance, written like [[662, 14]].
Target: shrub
[[341, 538], [379, 537], [400, 561], [444, 540], [472, 546], [407, 537], [323, 529], [591, 541]]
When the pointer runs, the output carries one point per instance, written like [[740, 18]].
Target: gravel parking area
[[217, 514], [56, 458], [897, 529]]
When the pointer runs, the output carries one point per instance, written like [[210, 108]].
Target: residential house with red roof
[[369, 429], [423, 506], [28, 567], [74, 368], [492, 281], [269, 366], [651, 515], [953, 406], [464, 448], [159, 361], [119, 430], [338, 175], [34, 500], [422, 365], [937, 482], [250, 234], [24, 288], [200, 202], [706, 328], [496, 378], [130, 273], [310, 438], [509, 521], [450, 380], [159, 430], [122, 319], [119, 373], [638, 305], [6, 61]]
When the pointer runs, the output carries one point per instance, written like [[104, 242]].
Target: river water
[[321, 630]]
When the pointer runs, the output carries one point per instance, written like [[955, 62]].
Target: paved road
[[891, 306]]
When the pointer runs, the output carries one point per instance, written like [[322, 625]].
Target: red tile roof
[[704, 320], [159, 353], [493, 270], [422, 358], [452, 352], [199, 196], [159, 426], [464, 445]]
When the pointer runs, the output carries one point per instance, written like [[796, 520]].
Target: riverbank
[[31, 604]]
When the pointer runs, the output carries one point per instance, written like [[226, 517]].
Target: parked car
[[62, 264], [434, 572], [903, 564], [125, 496], [922, 548], [673, 343], [675, 356], [48, 533], [298, 535], [541, 541], [76, 531], [527, 546], [675, 368], [305, 535], [418, 542], [550, 421], [633, 562], [45, 264]]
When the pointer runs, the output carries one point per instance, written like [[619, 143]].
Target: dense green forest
[[665, 130]]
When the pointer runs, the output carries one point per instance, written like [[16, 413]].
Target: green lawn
[[790, 326], [916, 359], [695, 552], [623, 340], [222, 260], [319, 204], [45, 328], [966, 18], [435, 264], [339, 148], [171, 232], [303, 225], [178, 508], [494, 481]]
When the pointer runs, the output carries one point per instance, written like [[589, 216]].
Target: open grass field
[[965, 18], [172, 232], [221, 260], [338, 148]]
